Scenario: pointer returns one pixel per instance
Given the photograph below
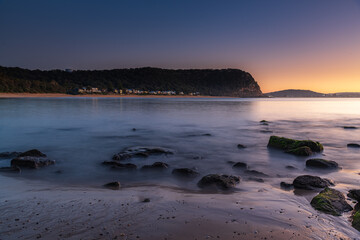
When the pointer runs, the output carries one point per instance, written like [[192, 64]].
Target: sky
[[283, 44]]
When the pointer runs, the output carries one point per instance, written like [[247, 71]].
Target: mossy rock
[[297, 147], [356, 221], [301, 151], [331, 201]]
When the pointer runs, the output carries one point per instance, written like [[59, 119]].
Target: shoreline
[[63, 95]]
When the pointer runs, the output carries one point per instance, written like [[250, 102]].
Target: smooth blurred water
[[80, 133]]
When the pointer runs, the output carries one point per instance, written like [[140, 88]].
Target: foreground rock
[[353, 145], [331, 201], [141, 152], [296, 147], [9, 154], [118, 165], [113, 185], [311, 182], [356, 220], [221, 181], [32, 159], [185, 172], [156, 166], [354, 194], [321, 163]]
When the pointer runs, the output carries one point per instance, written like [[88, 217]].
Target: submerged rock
[[10, 169], [354, 194], [290, 167], [311, 182], [185, 172], [264, 122], [156, 165], [141, 152], [118, 165], [296, 147], [286, 186], [9, 154], [221, 181], [240, 165], [113, 185], [353, 145], [255, 179], [256, 173], [31, 159], [240, 146], [331, 201], [322, 163], [349, 127]]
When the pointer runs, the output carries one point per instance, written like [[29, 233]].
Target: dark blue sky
[[259, 36]]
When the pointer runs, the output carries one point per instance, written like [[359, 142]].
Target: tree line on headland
[[212, 82]]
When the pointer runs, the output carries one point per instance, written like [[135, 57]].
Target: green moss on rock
[[297, 147], [356, 221], [330, 201]]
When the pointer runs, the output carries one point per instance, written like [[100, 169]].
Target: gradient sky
[[303, 44]]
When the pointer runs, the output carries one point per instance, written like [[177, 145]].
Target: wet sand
[[34, 210], [62, 95]]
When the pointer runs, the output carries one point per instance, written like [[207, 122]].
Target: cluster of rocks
[[30, 159]]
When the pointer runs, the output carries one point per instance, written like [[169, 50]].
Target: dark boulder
[[349, 127], [331, 201], [156, 166], [221, 181], [113, 185], [264, 122], [311, 182], [118, 165], [354, 194], [9, 154], [140, 152], [321, 163], [297, 147], [32, 159], [240, 165], [353, 145], [32, 153], [185, 172]]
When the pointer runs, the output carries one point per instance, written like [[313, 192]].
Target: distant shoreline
[[63, 95]]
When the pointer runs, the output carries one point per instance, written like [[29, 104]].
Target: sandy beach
[[33, 210], [63, 95]]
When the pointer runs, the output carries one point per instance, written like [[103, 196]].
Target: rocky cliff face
[[221, 82]]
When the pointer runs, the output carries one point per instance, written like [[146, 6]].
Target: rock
[[146, 200], [353, 145], [32, 159], [207, 134], [256, 173], [9, 154], [113, 185], [264, 122], [185, 172], [32, 153], [356, 220], [240, 165], [118, 165], [156, 165], [290, 167], [134, 129], [221, 181], [297, 147], [311, 182], [286, 186], [354, 194], [140, 152], [10, 169], [240, 146], [255, 179], [349, 127], [331, 201], [321, 163], [301, 151]]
